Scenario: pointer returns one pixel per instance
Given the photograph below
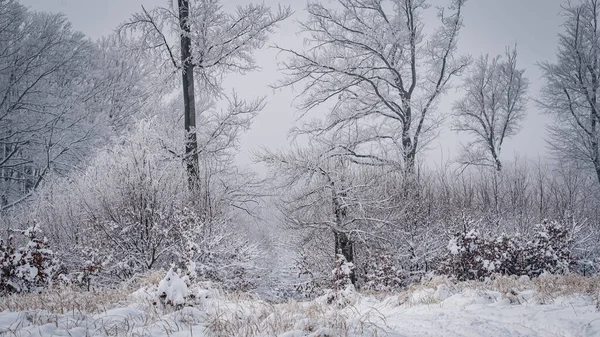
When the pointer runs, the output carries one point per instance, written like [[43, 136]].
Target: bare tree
[[124, 85], [573, 86], [189, 103], [492, 109], [44, 85], [315, 193], [212, 44], [333, 200], [373, 59]]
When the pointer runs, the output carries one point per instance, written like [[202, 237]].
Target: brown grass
[[64, 300], [242, 314]]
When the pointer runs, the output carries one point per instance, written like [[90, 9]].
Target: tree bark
[[189, 104], [345, 246]]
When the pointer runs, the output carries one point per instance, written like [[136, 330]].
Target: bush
[[550, 250], [342, 273], [130, 210], [28, 268], [466, 260], [472, 257], [379, 272]]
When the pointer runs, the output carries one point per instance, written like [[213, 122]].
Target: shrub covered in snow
[[130, 210], [91, 268], [380, 272], [549, 251], [342, 273], [223, 259], [466, 258], [30, 267], [344, 291], [472, 257], [310, 283]]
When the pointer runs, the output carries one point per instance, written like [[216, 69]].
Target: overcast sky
[[490, 25]]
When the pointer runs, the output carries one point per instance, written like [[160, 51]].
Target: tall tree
[[45, 84], [373, 59], [212, 43], [492, 109], [124, 85], [572, 87], [189, 103]]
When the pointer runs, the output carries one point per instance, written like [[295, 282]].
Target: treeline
[[121, 152], [399, 230]]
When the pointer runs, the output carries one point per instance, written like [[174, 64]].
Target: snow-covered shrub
[[131, 211], [342, 273], [549, 251], [226, 259], [309, 284], [502, 255], [465, 260], [472, 257], [30, 267], [343, 292], [90, 270], [379, 272]]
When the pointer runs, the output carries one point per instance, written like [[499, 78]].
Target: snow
[[437, 311], [173, 288], [442, 292], [475, 316], [453, 246]]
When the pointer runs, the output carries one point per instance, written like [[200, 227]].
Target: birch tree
[[572, 87], [492, 109], [212, 44], [374, 62]]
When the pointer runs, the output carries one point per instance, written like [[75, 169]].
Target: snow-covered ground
[[434, 310]]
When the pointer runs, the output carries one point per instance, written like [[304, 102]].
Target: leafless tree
[[124, 85], [44, 85], [334, 200], [317, 198], [492, 109], [572, 87], [212, 44], [374, 61]]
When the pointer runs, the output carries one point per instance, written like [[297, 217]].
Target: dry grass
[[547, 287], [242, 314], [63, 300], [252, 317]]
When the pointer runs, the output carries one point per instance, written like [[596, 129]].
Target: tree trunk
[[345, 246], [409, 152], [191, 144]]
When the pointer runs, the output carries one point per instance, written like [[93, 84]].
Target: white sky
[[490, 25]]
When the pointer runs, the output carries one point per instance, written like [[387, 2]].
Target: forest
[[120, 156]]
